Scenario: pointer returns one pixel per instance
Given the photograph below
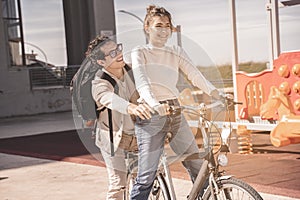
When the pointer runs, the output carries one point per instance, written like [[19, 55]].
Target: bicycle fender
[[224, 177]]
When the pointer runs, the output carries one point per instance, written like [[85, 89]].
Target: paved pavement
[[23, 178]]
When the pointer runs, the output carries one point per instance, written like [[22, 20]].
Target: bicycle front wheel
[[233, 189]]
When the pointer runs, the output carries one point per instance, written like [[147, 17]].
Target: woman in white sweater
[[155, 68]]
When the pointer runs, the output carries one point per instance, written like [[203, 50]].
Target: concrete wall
[[35, 102], [16, 97]]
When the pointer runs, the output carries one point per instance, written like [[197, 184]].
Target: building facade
[[21, 91]]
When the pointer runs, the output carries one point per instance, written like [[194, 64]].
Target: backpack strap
[[111, 133], [112, 81], [116, 91], [110, 123], [129, 71]]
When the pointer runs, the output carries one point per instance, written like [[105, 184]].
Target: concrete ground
[[23, 178]]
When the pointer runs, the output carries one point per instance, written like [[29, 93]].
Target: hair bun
[[150, 8]]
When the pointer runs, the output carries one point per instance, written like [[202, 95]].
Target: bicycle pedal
[[155, 191]]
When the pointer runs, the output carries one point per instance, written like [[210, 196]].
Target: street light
[[135, 16], [41, 50]]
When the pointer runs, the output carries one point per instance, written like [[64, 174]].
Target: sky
[[205, 25]]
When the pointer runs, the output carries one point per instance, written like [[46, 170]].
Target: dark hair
[[93, 51], [153, 11]]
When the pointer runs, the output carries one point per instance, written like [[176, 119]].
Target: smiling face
[[159, 30], [113, 56]]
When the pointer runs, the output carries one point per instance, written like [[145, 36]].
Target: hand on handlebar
[[162, 109], [229, 98], [142, 110], [220, 95]]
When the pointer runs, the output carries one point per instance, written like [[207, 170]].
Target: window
[[14, 31]]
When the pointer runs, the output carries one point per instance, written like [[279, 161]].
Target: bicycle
[[220, 186]]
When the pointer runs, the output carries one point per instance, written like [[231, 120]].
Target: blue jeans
[[151, 137]]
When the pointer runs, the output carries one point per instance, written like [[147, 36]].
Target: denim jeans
[[151, 138]]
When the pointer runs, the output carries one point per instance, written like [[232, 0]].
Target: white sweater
[[156, 72]]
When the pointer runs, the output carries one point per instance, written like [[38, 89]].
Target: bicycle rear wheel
[[159, 189], [233, 189]]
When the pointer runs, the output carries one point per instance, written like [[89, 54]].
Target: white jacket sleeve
[[103, 94], [142, 82]]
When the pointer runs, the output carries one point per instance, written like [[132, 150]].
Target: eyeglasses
[[114, 53]]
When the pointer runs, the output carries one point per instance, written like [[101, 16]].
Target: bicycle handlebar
[[203, 106]]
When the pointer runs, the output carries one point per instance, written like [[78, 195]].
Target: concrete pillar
[[4, 56], [104, 17], [83, 21]]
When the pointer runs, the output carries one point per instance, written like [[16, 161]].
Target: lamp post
[[135, 16], [44, 54]]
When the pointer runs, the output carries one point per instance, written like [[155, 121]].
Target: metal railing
[[51, 77], [60, 76]]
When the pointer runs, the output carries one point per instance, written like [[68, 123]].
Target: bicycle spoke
[[234, 189]]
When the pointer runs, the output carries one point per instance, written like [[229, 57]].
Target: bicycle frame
[[209, 167]]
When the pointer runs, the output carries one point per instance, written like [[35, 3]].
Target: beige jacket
[[103, 94]]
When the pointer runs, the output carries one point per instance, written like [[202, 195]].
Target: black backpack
[[80, 88], [81, 84], [82, 98]]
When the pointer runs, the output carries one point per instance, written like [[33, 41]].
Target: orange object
[[286, 132], [244, 140], [296, 87], [297, 105], [274, 94], [253, 89], [283, 71], [279, 103], [296, 70], [284, 87], [288, 129]]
